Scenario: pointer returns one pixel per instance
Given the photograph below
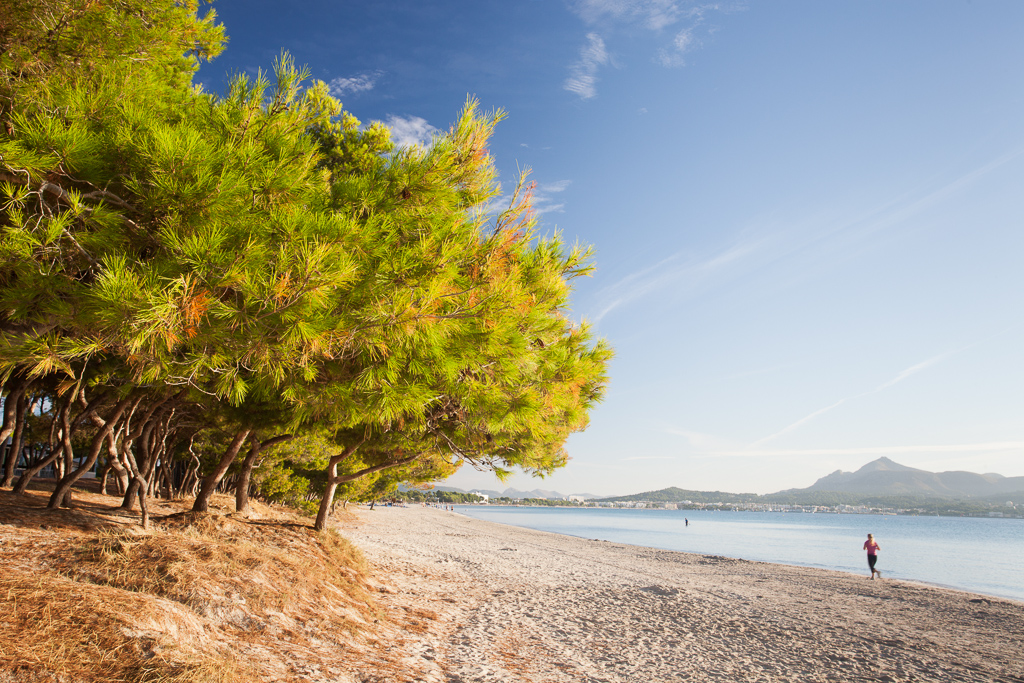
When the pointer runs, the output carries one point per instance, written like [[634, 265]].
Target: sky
[[806, 216]]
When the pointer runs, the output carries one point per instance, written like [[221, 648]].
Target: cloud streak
[[909, 372], [814, 236], [984, 446], [543, 199], [339, 87], [674, 270], [655, 16], [582, 79], [651, 14]]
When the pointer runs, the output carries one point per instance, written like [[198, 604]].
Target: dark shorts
[[871, 561]]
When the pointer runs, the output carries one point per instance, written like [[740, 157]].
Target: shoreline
[[503, 603], [1000, 586]]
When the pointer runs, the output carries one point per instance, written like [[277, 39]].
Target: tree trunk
[[242, 486], [332, 485], [104, 479], [190, 483], [210, 481], [245, 476], [325, 503], [333, 479], [153, 453], [114, 463], [139, 433], [137, 479], [142, 504], [14, 393], [22, 485], [65, 484], [130, 492], [14, 452], [87, 411]]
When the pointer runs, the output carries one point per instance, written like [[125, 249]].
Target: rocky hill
[[883, 477]]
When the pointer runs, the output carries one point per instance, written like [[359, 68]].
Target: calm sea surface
[[974, 554]]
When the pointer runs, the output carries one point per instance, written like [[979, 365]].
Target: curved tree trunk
[[155, 448], [88, 409], [145, 476], [245, 475], [15, 391], [137, 481], [14, 451], [334, 479], [23, 481], [130, 492], [139, 433], [324, 511], [65, 484], [210, 481], [114, 465]]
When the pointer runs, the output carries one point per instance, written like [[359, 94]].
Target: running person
[[872, 549]]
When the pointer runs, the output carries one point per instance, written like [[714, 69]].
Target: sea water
[[981, 555]]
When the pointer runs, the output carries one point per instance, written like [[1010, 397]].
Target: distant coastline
[[940, 509], [879, 487]]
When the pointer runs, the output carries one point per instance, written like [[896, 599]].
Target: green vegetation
[[254, 292], [436, 496], [677, 495], [540, 502]]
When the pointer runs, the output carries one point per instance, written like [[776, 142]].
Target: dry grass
[[195, 558], [85, 595], [54, 628]]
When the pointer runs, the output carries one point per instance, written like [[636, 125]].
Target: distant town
[[911, 506]]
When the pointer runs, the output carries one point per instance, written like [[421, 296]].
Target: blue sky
[[807, 216]]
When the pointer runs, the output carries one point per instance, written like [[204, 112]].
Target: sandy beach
[[501, 603]]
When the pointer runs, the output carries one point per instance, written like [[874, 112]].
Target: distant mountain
[[877, 479], [883, 477], [677, 495]]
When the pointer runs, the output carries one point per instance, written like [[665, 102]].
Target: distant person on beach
[[872, 549], [687, 521]]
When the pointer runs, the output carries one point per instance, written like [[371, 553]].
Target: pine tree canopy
[[258, 266]]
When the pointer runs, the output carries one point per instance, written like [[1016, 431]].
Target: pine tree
[[261, 259]]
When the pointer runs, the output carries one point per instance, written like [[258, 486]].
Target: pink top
[[871, 547]]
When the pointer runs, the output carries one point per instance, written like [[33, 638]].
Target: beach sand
[[489, 602]]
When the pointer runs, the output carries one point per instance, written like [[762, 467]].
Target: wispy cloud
[[674, 55], [899, 377], [912, 370], [582, 78], [556, 186], [656, 16], [815, 236], [652, 14], [680, 269], [649, 457], [544, 202], [713, 446], [981, 447], [342, 86], [918, 200], [703, 442], [410, 130], [543, 199]]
